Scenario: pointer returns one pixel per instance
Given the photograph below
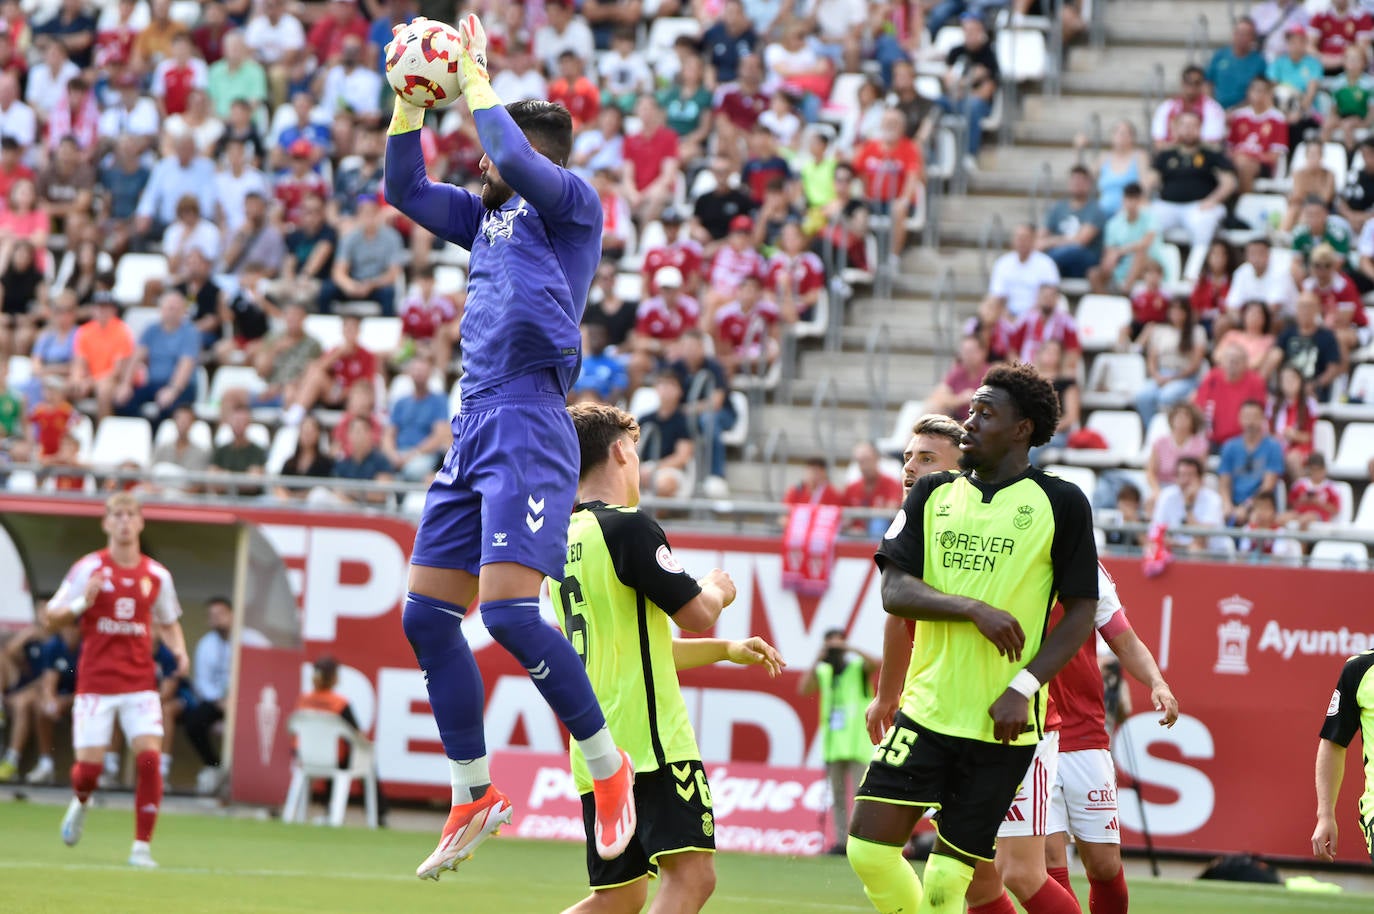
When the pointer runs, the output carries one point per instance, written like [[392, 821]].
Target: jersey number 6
[[574, 621]]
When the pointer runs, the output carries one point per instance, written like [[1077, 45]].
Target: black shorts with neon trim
[[673, 805], [970, 782]]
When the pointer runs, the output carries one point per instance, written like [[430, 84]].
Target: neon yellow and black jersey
[[1016, 546], [1352, 711], [620, 585]]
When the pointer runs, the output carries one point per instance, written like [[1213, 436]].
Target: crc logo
[[1233, 636], [1102, 795], [124, 608]]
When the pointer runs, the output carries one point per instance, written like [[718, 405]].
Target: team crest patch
[[667, 561], [897, 525], [708, 824], [1022, 520], [1335, 703], [146, 586]]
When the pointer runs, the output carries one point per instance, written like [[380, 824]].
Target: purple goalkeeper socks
[[451, 676]]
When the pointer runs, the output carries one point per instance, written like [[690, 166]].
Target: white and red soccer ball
[[422, 63]]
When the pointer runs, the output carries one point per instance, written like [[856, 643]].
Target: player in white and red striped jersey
[[796, 276], [679, 250], [1083, 793], [430, 316], [1337, 29], [124, 602], [1258, 135], [665, 316]]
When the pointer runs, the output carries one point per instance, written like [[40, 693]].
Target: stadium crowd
[[199, 186]]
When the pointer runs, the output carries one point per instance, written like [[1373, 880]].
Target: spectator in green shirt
[[1317, 226], [236, 76], [240, 454]]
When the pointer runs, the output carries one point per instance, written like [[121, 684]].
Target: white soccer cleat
[[142, 856], [74, 822], [467, 827]]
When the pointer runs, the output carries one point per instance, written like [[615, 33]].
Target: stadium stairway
[[905, 336]]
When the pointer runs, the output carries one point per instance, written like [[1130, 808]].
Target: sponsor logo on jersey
[[108, 626], [498, 540], [972, 551], [667, 561]]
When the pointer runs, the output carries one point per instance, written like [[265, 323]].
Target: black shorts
[[971, 783], [673, 806]]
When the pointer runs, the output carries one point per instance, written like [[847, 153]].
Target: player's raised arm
[[689, 653], [449, 212], [536, 175]]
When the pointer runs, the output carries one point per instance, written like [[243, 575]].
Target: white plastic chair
[[1114, 379], [19, 371], [1364, 516], [380, 334], [629, 287], [132, 273], [1083, 477], [256, 432], [119, 439], [449, 279], [226, 378], [895, 442], [327, 329], [283, 446], [1343, 553], [739, 433], [1100, 319], [1021, 54], [317, 756], [140, 319], [1324, 439], [844, 96], [1356, 447], [667, 29], [199, 434], [815, 326], [1122, 432]]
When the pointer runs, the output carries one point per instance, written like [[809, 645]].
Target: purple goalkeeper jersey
[[532, 260]]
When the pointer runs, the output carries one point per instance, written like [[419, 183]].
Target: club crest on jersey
[[1022, 520], [667, 561], [501, 223], [145, 586]]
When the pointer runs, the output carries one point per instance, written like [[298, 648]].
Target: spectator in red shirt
[[1342, 308], [1313, 498], [327, 380], [1259, 135], [1339, 28], [1047, 321], [747, 329], [665, 316], [815, 487], [299, 182], [1149, 304], [617, 224], [77, 115], [12, 168], [796, 276], [652, 169], [873, 489], [327, 35], [954, 393], [1222, 392], [678, 250], [429, 318], [51, 418], [208, 37], [892, 172], [574, 91], [738, 105], [735, 260], [176, 76]]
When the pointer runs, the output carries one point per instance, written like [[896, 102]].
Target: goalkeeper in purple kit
[[495, 521]]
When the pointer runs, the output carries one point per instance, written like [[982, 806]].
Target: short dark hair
[[1316, 459], [1264, 496], [1133, 189], [1192, 462], [1129, 492], [1081, 170], [817, 462], [600, 425], [1255, 403], [1032, 394], [833, 633], [1194, 70], [547, 125], [218, 598]]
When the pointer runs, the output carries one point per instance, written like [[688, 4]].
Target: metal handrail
[[994, 231], [1153, 95], [702, 386], [1054, 65], [777, 454], [1095, 140], [1198, 39], [877, 371], [835, 260], [825, 413], [1097, 26], [945, 318], [1041, 188]]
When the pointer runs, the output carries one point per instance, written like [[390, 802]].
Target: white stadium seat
[[1356, 447], [1100, 319], [1114, 379], [1082, 477], [119, 439]]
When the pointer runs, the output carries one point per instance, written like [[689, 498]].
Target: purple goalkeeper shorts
[[508, 485]]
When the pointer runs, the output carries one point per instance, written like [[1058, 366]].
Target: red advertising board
[[1252, 653]]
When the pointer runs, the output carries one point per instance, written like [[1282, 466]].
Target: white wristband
[[1025, 683], [78, 606]]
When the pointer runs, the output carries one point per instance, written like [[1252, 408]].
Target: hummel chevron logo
[[536, 507], [534, 519], [539, 672]]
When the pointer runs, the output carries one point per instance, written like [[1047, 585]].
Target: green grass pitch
[[257, 867]]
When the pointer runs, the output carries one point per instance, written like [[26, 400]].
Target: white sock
[[44, 761], [112, 763], [141, 846], [166, 764], [603, 758], [466, 774]]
